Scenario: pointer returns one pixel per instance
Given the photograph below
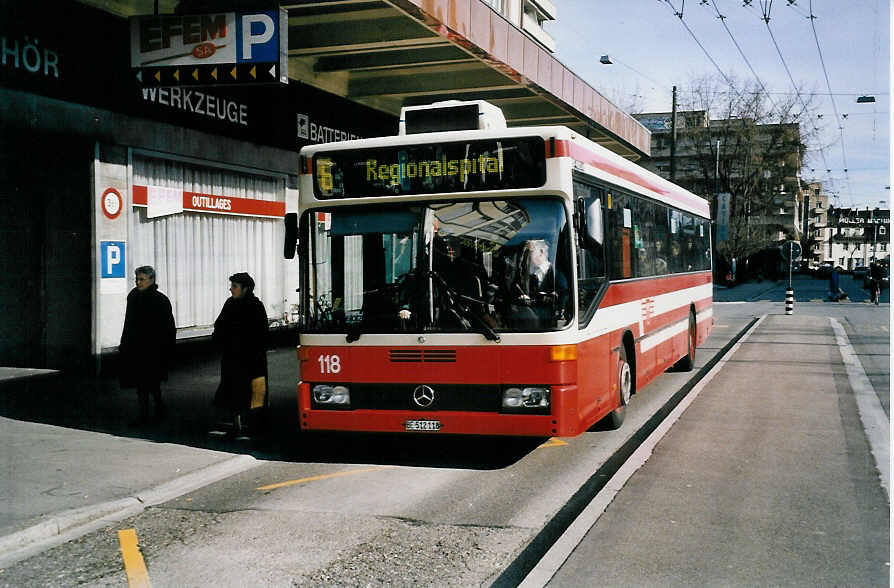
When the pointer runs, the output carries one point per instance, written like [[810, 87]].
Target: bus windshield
[[484, 266]]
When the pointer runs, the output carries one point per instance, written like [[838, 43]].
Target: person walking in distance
[[240, 332], [834, 288], [876, 275], [147, 343]]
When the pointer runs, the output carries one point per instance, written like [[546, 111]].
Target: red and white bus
[[494, 281]]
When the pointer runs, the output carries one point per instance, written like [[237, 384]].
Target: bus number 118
[[329, 364]]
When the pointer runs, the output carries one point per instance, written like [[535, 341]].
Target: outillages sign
[[199, 202]]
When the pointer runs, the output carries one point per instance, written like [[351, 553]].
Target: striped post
[[789, 300]]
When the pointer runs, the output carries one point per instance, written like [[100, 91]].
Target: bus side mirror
[[291, 240], [594, 222]]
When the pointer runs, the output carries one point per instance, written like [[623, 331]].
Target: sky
[[848, 56]]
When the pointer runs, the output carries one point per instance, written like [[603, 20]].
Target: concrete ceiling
[[389, 53]]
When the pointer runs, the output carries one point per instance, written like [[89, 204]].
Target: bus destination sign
[[466, 166]]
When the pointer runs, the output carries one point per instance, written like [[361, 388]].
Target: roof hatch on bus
[[450, 115]]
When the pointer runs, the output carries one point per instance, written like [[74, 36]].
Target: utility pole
[[717, 170], [673, 159], [874, 238]]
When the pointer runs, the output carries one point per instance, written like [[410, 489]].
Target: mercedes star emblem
[[423, 396]]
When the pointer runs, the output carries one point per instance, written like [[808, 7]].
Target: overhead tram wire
[[679, 15], [722, 19], [764, 14], [812, 19], [875, 53], [766, 7], [827, 94], [584, 39]]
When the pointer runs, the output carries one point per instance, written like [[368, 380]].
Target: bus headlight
[[329, 394], [526, 397]]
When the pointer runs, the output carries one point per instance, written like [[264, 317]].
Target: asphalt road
[[348, 510]]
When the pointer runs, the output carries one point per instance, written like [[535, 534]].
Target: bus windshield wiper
[[464, 315], [482, 327]]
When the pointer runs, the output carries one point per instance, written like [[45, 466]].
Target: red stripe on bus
[[566, 148], [201, 202], [619, 293]]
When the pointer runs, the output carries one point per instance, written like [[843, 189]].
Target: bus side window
[[643, 237], [677, 243], [620, 237]]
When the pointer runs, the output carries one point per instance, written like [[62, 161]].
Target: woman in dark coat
[[241, 334], [147, 343]]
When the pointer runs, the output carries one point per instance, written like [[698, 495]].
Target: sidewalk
[[766, 479], [70, 463], [59, 483]]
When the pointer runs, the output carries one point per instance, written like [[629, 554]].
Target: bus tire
[[625, 390], [686, 363]]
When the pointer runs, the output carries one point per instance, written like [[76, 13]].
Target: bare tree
[[751, 146]]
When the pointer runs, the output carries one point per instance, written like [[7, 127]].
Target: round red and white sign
[[111, 203]]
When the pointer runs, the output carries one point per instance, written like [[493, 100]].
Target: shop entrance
[[45, 235]]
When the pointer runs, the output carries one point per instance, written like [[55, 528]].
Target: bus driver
[[541, 290]]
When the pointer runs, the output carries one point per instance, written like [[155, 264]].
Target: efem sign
[[220, 48]]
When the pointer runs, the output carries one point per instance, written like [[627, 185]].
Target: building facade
[[857, 237], [815, 234]]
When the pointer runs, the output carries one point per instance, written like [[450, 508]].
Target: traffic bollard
[[789, 301]]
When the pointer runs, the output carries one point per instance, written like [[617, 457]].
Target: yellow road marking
[[134, 566], [552, 442], [314, 478]]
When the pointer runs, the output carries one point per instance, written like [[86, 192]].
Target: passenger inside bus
[[661, 267]]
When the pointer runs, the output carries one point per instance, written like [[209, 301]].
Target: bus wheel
[[625, 390], [686, 362]]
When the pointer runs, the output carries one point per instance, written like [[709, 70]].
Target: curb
[[66, 525]]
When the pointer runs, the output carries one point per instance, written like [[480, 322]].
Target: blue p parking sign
[[112, 262]]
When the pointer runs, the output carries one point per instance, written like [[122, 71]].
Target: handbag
[[258, 392]]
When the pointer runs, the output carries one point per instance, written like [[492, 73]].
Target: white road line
[[875, 422], [561, 549]]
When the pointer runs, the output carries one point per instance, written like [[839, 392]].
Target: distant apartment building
[[815, 233], [857, 237]]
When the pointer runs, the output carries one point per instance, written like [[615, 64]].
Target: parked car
[[861, 271]]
